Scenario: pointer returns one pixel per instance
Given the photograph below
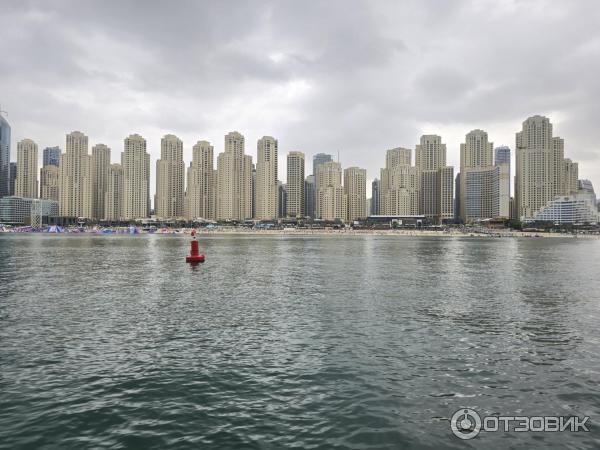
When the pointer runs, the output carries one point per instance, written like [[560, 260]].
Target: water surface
[[328, 342]]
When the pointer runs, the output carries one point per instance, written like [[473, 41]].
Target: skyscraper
[[26, 184], [170, 169], [282, 199], [375, 195], [399, 186], [100, 166], [355, 187], [4, 156], [51, 156], [483, 185], [200, 183], [12, 177], [332, 201], [266, 178], [75, 178], [136, 178], [541, 168], [318, 159], [502, 156], [435, 178], [49, 182], [309, 196], [113, 199], [234, 180], [295, 184]]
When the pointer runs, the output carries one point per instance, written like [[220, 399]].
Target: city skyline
[[327, 91]]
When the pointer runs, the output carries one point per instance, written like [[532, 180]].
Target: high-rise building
[[436, 180], [49, 176], [375, 196], [295, 184], [113, 199], [332, 201], [282, 199], [541, 172], [170, 169], [100, 165], [266, 178], [234, 180], [309, 196], [571, 177], [355, 187], [502, 156], [75, 178], [12, 177], [399, 186], [26, 185], [484, 185], [51, 156], [4, 156], [136, 178], [200, 183], [318, 159]]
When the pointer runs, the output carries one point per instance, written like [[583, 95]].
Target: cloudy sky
[[320, 76]]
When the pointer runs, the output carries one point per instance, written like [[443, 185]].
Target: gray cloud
[[355, 76]]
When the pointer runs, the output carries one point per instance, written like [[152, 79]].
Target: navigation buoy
[[194, 256]]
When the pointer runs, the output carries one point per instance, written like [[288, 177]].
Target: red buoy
[[194, 256]]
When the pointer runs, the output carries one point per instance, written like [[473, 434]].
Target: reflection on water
[[275, 342]]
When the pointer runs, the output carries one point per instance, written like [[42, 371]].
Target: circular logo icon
[[465, 423]]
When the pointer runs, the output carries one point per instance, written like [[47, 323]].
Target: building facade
[[135, 162], [75, 178], [4, 156], [26, 184], [170, 170], [100, 166], [542, 173], [295, 184], [113, 197], [436, 180], [49, 176], [12, 177], [200, 193], [355, 187], [51, 156], [234, 180], [309, 196], [332, 201], [266, 187]]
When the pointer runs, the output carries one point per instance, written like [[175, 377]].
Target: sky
[[354, 77]]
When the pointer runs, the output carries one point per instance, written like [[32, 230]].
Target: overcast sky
[[320, 76]]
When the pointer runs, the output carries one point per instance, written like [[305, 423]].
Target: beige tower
[[266, 178], [434, 176], [478, 180], [135, 161], [570, 177], [355, 187], [170, 169], [234, 180], [26, 184], [49, 182], [332, 201], [542, 173], [200, 198], [100, 165], [75, 178], [295, 184], [399, 185], [114, 193]]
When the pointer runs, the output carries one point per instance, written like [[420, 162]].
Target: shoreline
[[321, 232]]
